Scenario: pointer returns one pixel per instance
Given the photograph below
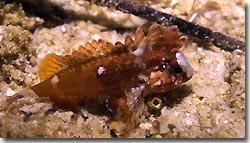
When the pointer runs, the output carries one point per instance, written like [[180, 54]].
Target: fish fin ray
[[51, 65]]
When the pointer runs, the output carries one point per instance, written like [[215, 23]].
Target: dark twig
[[218, 39]]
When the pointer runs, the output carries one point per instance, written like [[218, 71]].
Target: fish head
[[170, 73], [160, 51]]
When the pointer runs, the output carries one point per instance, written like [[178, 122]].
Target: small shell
[[155, 103]]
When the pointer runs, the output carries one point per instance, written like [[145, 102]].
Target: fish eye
[[178, 70], [162, 67]]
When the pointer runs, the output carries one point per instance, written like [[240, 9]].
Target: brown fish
[[98, 70]]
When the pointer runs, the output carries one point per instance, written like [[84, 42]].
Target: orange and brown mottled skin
[[81, 83]]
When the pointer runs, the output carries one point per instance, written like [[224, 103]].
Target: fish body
[[105, 72]]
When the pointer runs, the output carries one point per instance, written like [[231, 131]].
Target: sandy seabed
[[210, 105]]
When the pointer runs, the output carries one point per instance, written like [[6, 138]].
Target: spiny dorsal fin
[[51, 65], [179, 43], [154, 33], [170, 34], [139, 37], [129, 42], [93, 49], [174, 41], [165, 36]]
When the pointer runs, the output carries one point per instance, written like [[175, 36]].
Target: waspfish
[[151, 63]]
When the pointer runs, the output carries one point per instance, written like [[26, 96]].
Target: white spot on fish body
[[54, 81], [100, 70]]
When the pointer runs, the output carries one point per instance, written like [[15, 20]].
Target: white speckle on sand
[[189, 121], [10, 92], [63, 28], [208, 15], [95, 37], [193, 17], [1, 38], [145, 126], [207, 61]]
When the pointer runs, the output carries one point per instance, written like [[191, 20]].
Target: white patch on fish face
[[54, 81], [186, 67], [100, 70]]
